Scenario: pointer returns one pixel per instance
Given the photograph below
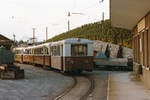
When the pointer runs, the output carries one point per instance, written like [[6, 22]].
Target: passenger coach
[[66, 55], [39, 55], [19, 54], [72, 55]]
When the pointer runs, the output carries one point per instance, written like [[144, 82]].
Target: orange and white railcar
[[72, 55]]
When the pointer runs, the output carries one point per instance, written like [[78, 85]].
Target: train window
[[28, 51], [46, 51], [38, 51], [55, 50], [79, 50], [18, 52]]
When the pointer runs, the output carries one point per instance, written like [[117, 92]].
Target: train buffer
[[10, 71]]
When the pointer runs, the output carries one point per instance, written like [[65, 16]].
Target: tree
[[93, 31]]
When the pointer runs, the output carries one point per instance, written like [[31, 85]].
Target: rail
[[67, 90], [90, 90]]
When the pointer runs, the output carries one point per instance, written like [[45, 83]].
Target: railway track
[[91, 88], [82, 87], [67, 90]]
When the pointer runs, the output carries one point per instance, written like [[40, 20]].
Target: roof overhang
[[127, 13]]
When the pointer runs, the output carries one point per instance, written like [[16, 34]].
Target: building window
[[146, 48], [148, 44], [79, 50], [138, 49]]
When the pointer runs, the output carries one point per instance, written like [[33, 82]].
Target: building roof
[[127, 13], [4, 38], [5, 41]]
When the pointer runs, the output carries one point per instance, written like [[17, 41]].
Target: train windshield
[[79, 50]]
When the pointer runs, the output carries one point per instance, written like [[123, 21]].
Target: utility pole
[[46, 33], [69, 21], [33, 29], [14, 37], [69, 14], [102, 22], [101, 1]]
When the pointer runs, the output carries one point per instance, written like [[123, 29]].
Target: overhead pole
[[102, 22], [14, 37], [33, 29], [69, 14], [69, 21], [46, 33]]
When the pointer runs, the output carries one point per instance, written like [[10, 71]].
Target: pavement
[[124, 86], [38, 85]]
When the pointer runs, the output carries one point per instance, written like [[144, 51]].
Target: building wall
[[5, 42], [100, 46], [141, 45]]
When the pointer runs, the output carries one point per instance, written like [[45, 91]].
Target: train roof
[[34, 46], [20, 48], [38, 46], [74, 40]]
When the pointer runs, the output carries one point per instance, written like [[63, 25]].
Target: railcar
[[28, 55], [19, 54], [72, 55], [42, 54], [39, 54], [47, 54], [66, 55]]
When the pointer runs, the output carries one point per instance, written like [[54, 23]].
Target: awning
[[127, 13]]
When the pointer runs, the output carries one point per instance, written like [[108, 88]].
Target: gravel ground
[[38, 85]]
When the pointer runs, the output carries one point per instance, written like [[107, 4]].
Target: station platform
[[124, 86]]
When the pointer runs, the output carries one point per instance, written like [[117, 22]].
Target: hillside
[[93, 31]]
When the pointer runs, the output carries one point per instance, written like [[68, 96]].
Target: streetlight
[[101, 1], [69, 14], [69, 21]]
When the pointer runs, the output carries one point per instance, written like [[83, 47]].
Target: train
[[69, 55]]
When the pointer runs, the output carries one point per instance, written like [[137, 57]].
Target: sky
[[20, 16]]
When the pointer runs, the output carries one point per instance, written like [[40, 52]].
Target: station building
[[135, 15], [5, 42]]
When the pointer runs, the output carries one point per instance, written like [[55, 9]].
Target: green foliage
[[94, 31]]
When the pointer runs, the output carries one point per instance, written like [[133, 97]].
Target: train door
[[21, 55], [44, 53], [62, 57]]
